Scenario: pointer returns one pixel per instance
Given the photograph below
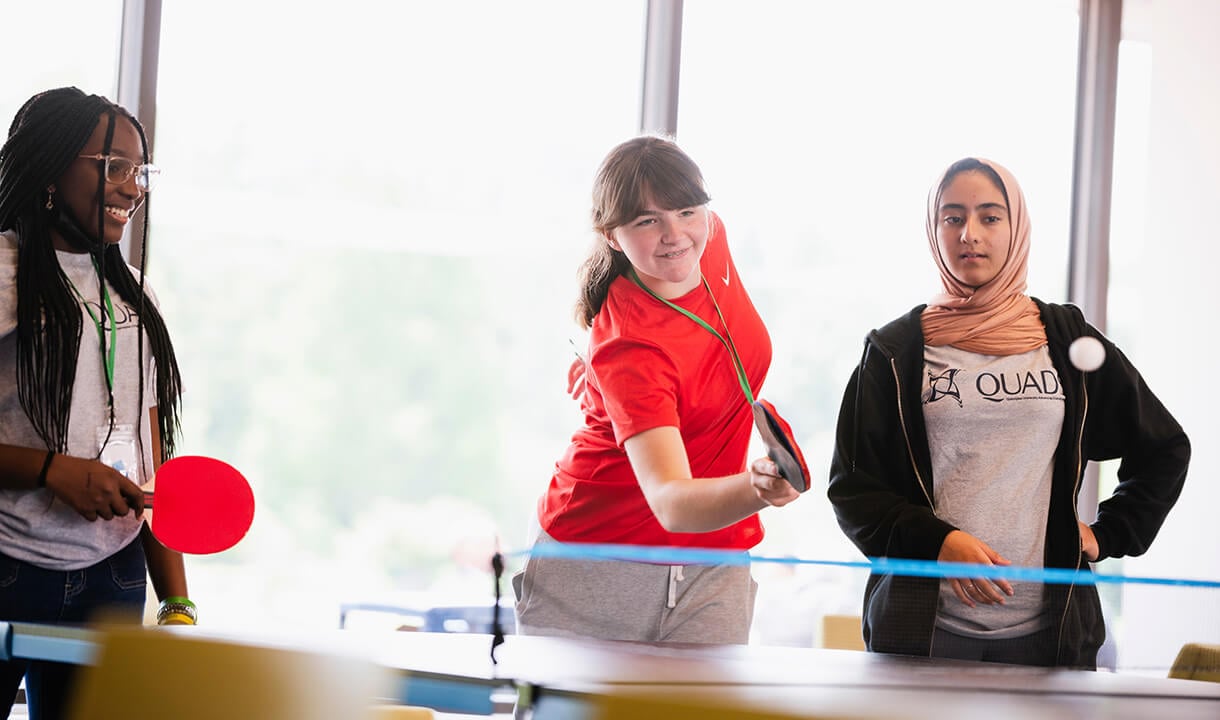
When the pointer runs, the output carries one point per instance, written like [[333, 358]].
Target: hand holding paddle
[[104, 493], [202, 505]]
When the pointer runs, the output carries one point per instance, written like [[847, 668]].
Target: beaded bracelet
[[46, 465], [177, 611]]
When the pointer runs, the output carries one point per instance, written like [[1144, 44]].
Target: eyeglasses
[[119, 169]]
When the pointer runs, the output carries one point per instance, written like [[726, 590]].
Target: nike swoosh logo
[[726, 274]]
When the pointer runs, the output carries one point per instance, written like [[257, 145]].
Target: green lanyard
[[108, 310], [728, 343]]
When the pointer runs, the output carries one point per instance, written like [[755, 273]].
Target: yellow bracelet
[[175, 618]]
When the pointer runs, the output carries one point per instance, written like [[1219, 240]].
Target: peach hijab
[[997, 318]]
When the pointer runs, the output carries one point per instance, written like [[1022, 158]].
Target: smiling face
[[973, 231], [76, 189], [665, 246]]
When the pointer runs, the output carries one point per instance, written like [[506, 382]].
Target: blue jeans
[[32, 594]]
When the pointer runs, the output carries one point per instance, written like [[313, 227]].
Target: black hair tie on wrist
[[46, 465]]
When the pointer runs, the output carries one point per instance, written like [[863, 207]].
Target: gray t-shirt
[[993, 426], [34, 526]]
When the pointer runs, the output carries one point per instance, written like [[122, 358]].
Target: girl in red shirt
[[661, 457]]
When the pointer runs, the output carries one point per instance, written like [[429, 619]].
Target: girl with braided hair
[[89, 385]]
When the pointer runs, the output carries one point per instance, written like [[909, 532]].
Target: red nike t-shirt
[[650, 366]]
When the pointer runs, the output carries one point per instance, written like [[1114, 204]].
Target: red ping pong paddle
[[781, 445], [203, 505]]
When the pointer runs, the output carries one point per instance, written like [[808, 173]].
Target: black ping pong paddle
[[781, 445]]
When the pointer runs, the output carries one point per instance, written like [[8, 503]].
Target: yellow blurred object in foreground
[[158, 673]]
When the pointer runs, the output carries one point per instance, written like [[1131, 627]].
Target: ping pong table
[[553, 678]]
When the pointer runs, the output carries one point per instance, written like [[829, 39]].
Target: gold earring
[[50, 203]]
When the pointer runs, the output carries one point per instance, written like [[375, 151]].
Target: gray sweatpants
[[620, 600]]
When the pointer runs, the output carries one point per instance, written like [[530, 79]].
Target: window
[[366, 248], [1166, 152], [90, 44], [820, 134]]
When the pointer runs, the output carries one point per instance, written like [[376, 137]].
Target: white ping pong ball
[[1086, 353]]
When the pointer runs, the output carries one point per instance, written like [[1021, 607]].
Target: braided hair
[[46, 135]]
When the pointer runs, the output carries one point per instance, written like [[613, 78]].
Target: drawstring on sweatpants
[[675, 577]]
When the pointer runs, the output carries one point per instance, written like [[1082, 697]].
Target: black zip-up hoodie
[[881, 480]]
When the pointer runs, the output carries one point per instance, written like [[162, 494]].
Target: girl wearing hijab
[[963, 437]]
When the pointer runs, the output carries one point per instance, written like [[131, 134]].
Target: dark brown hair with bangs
[[647, 167]]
